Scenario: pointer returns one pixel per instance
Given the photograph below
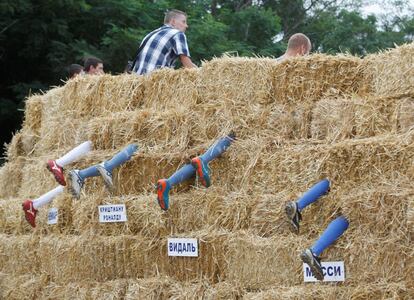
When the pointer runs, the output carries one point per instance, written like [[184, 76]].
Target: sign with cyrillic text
[[52, 216], [182, 247], [332, 271], [112, 213]]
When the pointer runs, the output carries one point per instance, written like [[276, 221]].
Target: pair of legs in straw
[[77, 177], [335, 229], [198, 166]]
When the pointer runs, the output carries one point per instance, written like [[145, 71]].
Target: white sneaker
[[106, 176], [76, 183]]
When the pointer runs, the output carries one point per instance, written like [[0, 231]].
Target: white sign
[[52, 216], [112, 213], [182, 247], [332, 271]]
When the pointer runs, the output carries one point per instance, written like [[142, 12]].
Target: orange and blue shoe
[[163, 190], [29, 212], [202, 171]]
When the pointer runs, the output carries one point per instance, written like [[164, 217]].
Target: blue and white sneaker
[[76, 183], [314, 263], [106, 176], [293, 215]]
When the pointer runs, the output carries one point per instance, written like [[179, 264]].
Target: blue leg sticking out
[[77, 177], [311, 255], [198, 166], [293, 209]]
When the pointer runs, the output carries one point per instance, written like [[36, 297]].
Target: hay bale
[[236, 79], [58, 134], [92, 96], [391, 71], [33, 114], [166, 89], [71, 290], [380, 290], [307, 79], [406, 114], [12, 219], [376, 159], [333, 119], [21, 287], [15, 148], [151, 130], [144, 216], [36, 179], [256, 263], [15, 253], [356, 117], [11, 174]]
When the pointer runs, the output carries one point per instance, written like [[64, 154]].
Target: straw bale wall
[[380, 290], [347, 119]]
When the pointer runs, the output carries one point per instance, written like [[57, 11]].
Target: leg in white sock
[[46, 198], [74, 154]]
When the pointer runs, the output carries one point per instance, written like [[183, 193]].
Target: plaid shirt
[[162, 49]]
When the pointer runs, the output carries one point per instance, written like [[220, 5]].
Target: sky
[[381, 7]]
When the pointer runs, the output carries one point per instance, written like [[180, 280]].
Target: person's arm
[[186, 62]]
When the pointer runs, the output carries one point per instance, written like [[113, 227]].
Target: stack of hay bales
[[338, 117]]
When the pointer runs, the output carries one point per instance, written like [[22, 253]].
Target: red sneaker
[[57, 171], [29, 212]]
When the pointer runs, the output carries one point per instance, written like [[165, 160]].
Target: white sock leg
[[46, 198], [74, 154]]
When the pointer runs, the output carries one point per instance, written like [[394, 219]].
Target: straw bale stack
[[391, 71], [166, 89], [380, 290], [307, 79]]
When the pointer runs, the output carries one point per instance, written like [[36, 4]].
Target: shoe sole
[[108, 183], [197, 164], [290, 213], [57, 178], [71, 189], [315, 271], [160, 197]]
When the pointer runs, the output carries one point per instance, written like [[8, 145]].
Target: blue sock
[[121, 157], [186, 172], [313, 194], [88, 172], [216, 149], [334, 230]]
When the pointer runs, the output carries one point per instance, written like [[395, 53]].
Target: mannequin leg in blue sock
[[293, 208], [187, 171], [200, 163], [311, 255], [77, 177]]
